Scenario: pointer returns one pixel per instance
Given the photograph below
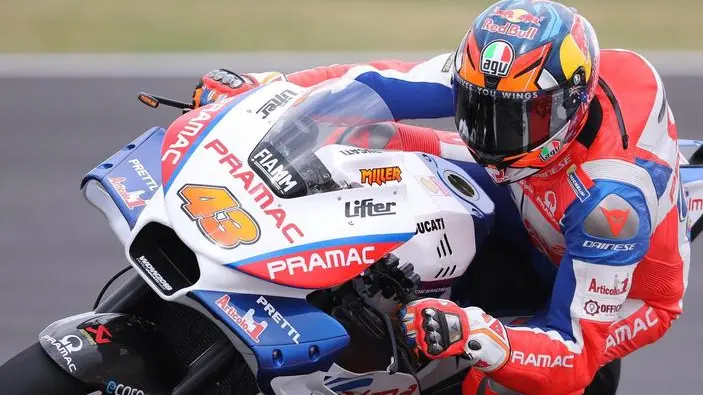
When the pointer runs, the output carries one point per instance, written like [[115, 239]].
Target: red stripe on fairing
[[181, 135], [310, 269]]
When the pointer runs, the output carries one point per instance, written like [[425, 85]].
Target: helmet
[[523, 78]]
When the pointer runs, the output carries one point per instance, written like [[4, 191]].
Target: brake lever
[[154, 101]]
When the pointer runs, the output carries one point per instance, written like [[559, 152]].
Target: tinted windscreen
[[286, 155]]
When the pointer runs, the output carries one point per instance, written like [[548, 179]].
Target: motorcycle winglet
[[110, 350]]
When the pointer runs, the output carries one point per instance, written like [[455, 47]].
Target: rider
[[586, 142]]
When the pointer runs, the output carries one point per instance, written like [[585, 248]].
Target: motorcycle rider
[[586, 142]]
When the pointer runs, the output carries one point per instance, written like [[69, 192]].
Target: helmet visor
[[497, 125]]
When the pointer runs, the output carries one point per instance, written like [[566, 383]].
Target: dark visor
[[496, 124]]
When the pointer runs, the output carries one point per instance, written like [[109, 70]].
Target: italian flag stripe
[[506, 53], [499, 51]]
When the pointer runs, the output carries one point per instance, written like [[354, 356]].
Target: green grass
[[327, 25]]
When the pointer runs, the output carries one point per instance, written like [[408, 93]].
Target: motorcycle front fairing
[[122, 185], [271, 324]]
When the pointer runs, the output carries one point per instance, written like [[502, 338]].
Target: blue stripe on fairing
[[196, 143], [691, 174], [386, 238], [411, 99]]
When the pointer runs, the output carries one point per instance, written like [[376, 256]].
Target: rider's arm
[[316, 75], [411, 90], [606, 236]]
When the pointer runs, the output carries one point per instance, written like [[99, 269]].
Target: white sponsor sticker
[[600, 290], [608, 282]]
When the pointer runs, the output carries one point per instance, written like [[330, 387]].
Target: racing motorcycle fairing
[[122, 185], [248, 170], [691, 171], [692, 179], [107, 351], [338, 380], [288, 336], [375, 203]]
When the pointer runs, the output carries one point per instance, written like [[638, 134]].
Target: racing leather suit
[[609, 215]]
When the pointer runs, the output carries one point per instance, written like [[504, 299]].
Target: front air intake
[[164, 258]]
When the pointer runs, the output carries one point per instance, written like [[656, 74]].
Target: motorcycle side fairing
[[110, 350], [691, 169]]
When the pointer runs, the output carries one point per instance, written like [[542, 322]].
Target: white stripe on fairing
[[619, 170], [171, 65], [455, 152], [426, 72]]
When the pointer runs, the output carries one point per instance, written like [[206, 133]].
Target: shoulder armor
[[613, 218]]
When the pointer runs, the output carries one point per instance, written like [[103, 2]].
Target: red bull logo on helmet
[[518, 16], [509, 29]]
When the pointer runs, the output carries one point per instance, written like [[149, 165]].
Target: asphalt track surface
[[56, 250]]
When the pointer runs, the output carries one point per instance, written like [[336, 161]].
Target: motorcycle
[[266, 257]]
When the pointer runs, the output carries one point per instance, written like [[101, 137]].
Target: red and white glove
[[441, 329], [220, 84]]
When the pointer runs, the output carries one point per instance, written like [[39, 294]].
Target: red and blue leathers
[[610, 217]]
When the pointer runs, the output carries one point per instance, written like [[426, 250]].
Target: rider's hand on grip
[[220, 84], [439, 328]]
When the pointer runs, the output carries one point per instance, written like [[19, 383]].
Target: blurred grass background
[[325, 25]]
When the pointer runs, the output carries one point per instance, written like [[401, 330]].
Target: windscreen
[[324, 115]]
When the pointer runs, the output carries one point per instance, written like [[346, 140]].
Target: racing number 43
[[219, 215]]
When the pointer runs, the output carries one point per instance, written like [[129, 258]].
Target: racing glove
[[220, 84], [440, 329]]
